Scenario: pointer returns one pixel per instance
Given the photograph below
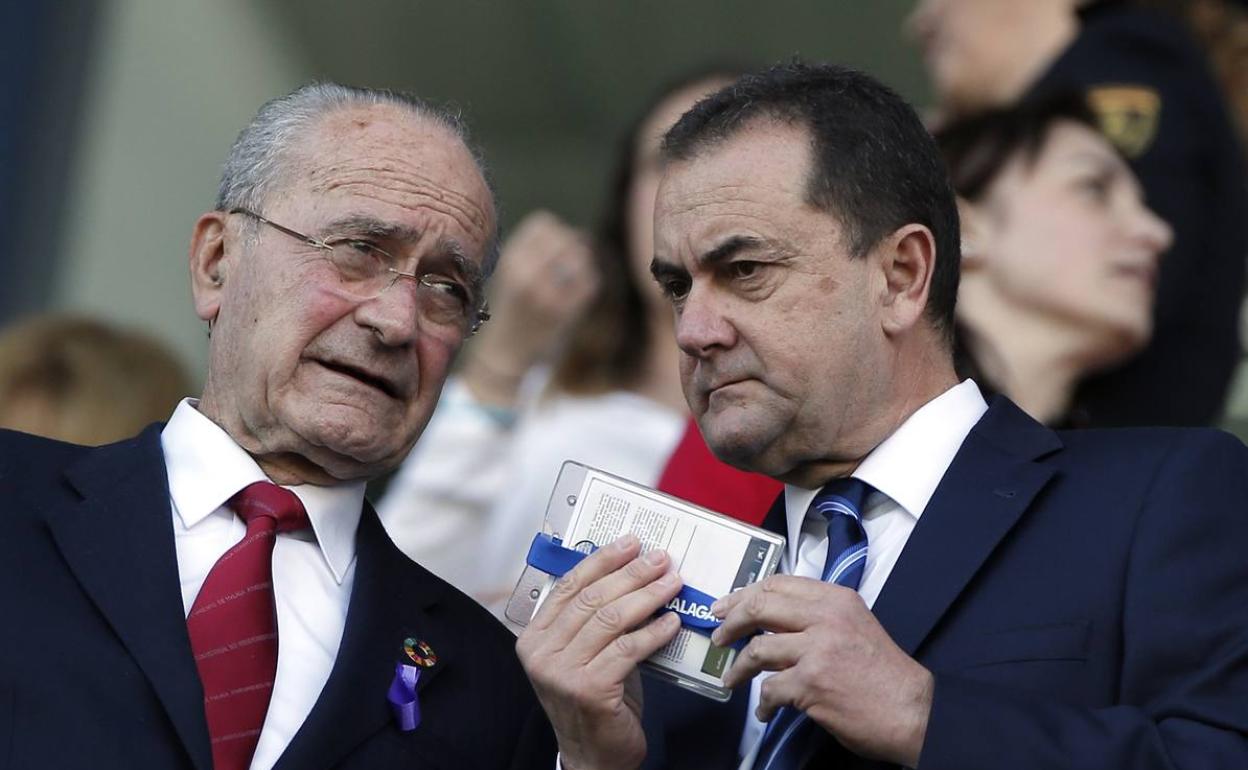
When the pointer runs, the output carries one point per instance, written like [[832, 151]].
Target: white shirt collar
[[206, 468], [908, 465]]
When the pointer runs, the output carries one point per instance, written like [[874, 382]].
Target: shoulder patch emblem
[[1128, 115]]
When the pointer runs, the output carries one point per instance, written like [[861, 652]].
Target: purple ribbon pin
[[402, 697]]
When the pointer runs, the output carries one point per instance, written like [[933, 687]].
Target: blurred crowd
[[1096, 149]]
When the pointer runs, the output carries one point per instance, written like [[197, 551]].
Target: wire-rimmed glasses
[[366, 271]]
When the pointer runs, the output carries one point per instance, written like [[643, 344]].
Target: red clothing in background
[[694, 474]]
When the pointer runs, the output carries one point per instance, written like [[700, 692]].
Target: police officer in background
[[1157, 100]]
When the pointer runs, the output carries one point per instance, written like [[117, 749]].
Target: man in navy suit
[[963, 588], [338, 274]]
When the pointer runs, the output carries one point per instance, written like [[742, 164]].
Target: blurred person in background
[[1059, 253], [85, 381], [578, 363], [1157, 100]]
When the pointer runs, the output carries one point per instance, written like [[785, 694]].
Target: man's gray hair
[[258, 161]]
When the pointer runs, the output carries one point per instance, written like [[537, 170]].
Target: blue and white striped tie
[[789, 741]]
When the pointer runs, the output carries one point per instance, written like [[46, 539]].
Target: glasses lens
[[361, 266], [445, 302]]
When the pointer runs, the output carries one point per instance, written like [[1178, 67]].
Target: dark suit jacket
[[95, 662], [1082, 599]]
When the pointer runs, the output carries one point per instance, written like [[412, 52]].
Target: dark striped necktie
[[233, 625], [791, 737]]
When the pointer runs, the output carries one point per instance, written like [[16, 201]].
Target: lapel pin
[[402, 697], [420, 652]]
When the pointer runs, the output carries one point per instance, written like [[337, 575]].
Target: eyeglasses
[[365, 272]]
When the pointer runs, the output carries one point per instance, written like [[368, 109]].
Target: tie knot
[[841, 497], [265, 499]]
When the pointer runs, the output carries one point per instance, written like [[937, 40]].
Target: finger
[[563, 275], [536, 240], [570, 260], [769, 610], [537, 224], [801, 587], [594, 596], [766, 652], [570, 242], [523, 237], [602, 562], [625, 652], [569, 289], [622, 615], [776, 691], [556, 238]]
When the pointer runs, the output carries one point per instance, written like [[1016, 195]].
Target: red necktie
[[233, 625]]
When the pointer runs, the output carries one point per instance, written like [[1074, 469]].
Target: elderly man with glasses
[[216, 592]]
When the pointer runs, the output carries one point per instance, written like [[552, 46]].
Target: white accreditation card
[[714, 554]]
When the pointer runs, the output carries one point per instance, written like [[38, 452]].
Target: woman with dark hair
[[474, 490], [1059, 253], [1156, 98]]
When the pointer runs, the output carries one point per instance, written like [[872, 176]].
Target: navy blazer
[[95, 663], [1081, 598]]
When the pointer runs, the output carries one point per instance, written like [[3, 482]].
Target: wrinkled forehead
[[391, 156]]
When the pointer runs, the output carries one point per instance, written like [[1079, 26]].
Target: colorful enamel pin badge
[[402, 694]]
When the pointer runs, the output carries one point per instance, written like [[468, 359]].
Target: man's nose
[[394, 315], [702, 325]]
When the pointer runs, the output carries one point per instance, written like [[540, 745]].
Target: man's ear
[[907, 260], [208, 264]]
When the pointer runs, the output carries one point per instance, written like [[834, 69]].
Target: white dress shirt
[[313, 571], [904, 471]]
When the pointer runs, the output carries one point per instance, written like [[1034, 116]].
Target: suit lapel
[[996, 474], [118, 542], [390, 602], [992, 481]]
